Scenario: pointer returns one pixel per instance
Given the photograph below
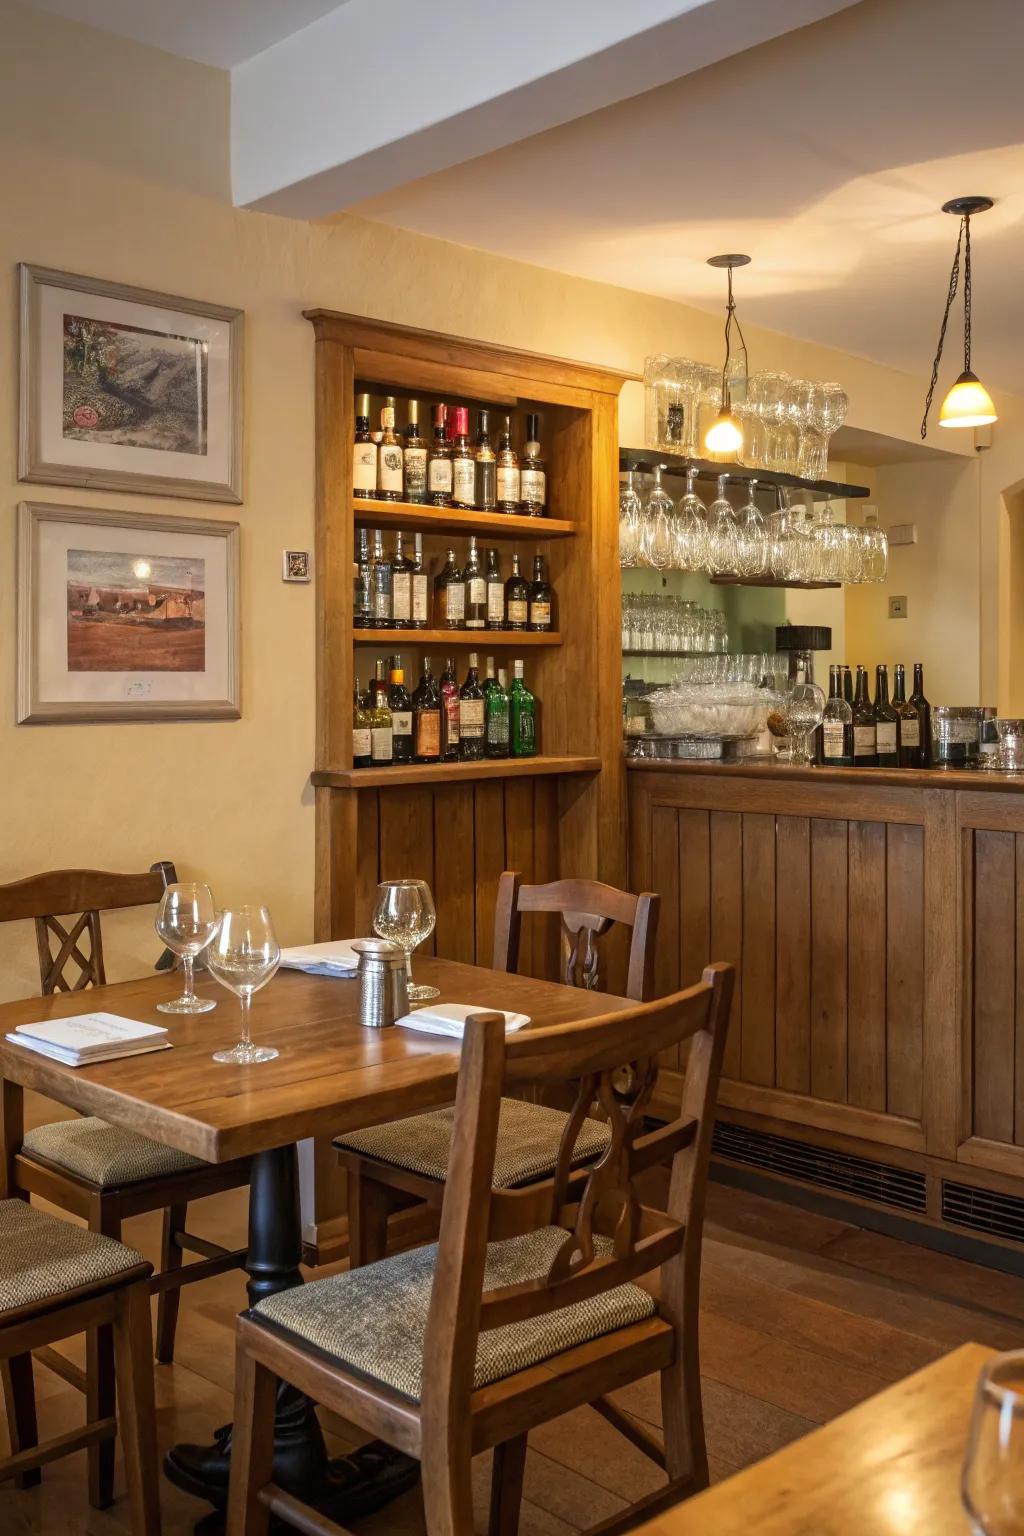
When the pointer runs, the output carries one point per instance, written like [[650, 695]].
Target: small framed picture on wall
[[295, 565], [124, 389]]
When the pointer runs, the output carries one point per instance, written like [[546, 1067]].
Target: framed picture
[[295, 565], [126, 616], [123, 389]]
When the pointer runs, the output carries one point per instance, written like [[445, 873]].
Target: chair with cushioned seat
[[57, 1279], [98, 1171], [390, 1166], [528, 1305]]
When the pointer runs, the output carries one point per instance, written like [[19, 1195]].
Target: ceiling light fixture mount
[[724, 437], [968, 403]]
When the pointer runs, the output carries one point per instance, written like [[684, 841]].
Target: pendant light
[[968, 403], [724, 437]]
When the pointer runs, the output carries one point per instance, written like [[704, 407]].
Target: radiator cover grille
[[983, 1210], [882, 1183]]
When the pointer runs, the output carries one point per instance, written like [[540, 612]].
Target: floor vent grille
[[881, 1183], [982, 1210]]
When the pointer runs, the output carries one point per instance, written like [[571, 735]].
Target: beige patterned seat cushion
[[42, 1257], [528, 1138], [103, 1153], [373, 1319]]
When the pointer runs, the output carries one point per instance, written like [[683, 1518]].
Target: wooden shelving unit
[[413, 518], [458, 639], [453, 773]]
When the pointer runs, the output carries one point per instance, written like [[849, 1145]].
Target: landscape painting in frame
[[126, 616], [123, 388]]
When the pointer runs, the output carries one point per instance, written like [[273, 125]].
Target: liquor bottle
[[837, 725], [449, 596], [847, 685], [401, 713], [426, 718], [382, 575], [362, 728], [485, 484], [449, 691], [420, 587], [476, 588], [471, 715], [364, 453], [389, 455], [887, 747], [540, 597], [401, 586], [508, 487], [495, 591], [490, 676], [381, 729], [522, 711], [910, 740], [463, 462], [414, 458], [362, 610], [864, 749], [517, 598], [924, 713], [533, 484], [439, 462], [496, 715]]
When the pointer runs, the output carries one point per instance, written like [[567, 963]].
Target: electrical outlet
[[902, 533], [897, 607]]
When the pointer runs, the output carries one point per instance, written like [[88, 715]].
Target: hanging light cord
[[730, 319], [964, 243]]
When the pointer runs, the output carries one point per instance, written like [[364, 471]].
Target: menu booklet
[[89, 1037]]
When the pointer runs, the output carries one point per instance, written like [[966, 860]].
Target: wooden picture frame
[[124, 388], [98, 587]]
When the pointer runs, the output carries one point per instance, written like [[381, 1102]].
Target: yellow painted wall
[[113, 162]]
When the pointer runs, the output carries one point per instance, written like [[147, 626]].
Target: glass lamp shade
[[968, 404], [724, 437]]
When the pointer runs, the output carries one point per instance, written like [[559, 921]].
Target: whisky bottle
[[362, 607], [887, 747], [522, 710], [486, 480], [362, 727], [420, 587], [381, 732], [449, 596], [496, 714], [463, 461], [439, 462], [910, 738], [414, 458], [539, 613], [837, 725], [389, 455], [517, 598], [864, 748], [507, 487], [401, 586], [924, 712], [381, 583], [471, 715], [364, 453], [426, 718], [449, 691], [495, 592], [401, 713], [476, 588], [533, 485]]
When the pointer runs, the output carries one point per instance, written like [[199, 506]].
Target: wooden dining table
[[332, 1075]]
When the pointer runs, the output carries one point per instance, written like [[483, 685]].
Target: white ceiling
[[220, 32]]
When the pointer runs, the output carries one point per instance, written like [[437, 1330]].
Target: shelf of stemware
[[773, 581], [677, 655], [710, 469]]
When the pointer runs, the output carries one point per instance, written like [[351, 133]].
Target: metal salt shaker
[[383, 997]]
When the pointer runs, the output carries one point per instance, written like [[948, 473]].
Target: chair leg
[[100, 1380], [507, 1487], [136, 1408], [252, 1446], [171, 1258], [368, 1206], [682, 1411], [446, 1465], [20, 1401]]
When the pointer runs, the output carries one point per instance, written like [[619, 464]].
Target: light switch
[[897, 607]]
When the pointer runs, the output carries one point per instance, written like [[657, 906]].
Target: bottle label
[[361, 742], [885, 736], [477, 590], [451, 718], [540, 613], [464, 481], [495, 602], [508, 482], [427, 739], [864, 741], [415, 472], [910, 732], [497, 729], [419, 598], [517, 610], [439, 477], [364, 593], [381, 603], [471, 718], [401, 722], [364, 467], [382, 745], [390, 469], [532, 486], [833, 732], [525, 735], [401, 595], [455, 601]]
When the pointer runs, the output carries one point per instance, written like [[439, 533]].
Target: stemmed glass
[[657, 529], [804, 709], [833, 414], [753, 537], [630, 524], [992, 1480], [723, 536], [186, 921], [691, 528], [243, 957], [405, 915]]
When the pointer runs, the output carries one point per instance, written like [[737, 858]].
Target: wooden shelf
[[772, 581], [499, 525], [473, 639], [710, 469], [452, 773]]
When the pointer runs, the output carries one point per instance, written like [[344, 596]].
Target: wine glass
[[992, 1480], [186, 921], [243, 957], [723, 534], [753, 536], [691, 529], [804, 709], [658, 531], [629, 520], [405, 914]]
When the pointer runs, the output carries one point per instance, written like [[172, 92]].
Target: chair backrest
[[587, 909], [610, 1236], [83, 893]]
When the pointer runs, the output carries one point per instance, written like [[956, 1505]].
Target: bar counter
[[873, 915]]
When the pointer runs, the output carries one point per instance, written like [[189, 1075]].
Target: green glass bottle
[[522, 716], [496, 717]]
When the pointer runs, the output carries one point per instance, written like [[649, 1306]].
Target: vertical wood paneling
[[757, 1024], [793, 954], [828, 959], [727, 920], [519, 852], [407, 838], [489, 848], [866, 1049], [454, 882], [694, 895], [367, 871], [547, 928], [1018, 1066], [665, 880], [904, 1007], [995, 891]]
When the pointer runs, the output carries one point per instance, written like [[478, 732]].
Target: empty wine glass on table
[[405, 915], [243, 957], [992, 1481], [186, 921]]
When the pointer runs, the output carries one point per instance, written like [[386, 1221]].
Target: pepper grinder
[[383, 994]]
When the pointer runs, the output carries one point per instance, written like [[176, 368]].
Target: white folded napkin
[[334, 958], [450, 1018]]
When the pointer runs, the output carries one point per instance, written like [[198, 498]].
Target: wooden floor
[[803, 1317]]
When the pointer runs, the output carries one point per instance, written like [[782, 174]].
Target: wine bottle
[[426, 718], [496, 719], [837, 725], [401, 713], [508, 485], [401, 586], [449, 596], [362, 728], [924, 713], [887, 749], [420, 586], [463, 460], [495, 591], [449, 691], [364, 453], [389, 457], [864, 749], [439, 462], [522, 710], [533, 493], [414, 458], [476, 588], [381, 730], [910, 740], [539, 613], [517, 598], [362, 610], [382, 574], [485, 479], [847, 685], [471, 714]]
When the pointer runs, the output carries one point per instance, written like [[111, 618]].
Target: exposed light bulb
[[968, 404], [724, 437]]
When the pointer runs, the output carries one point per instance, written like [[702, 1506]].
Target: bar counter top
[[780, 773]]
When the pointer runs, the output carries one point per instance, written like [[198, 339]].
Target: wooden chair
[[97, 1171], [57, 1279], [392, 1166], [527, 1305]]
